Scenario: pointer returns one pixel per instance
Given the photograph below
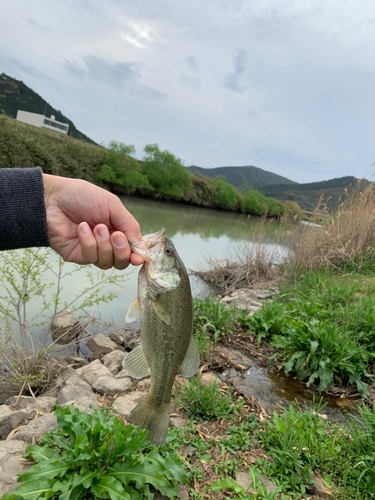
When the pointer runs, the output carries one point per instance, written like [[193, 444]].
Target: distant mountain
[[307, 195], [15, 95], [242, 178]]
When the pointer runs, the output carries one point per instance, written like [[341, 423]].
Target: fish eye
[[168, 251]]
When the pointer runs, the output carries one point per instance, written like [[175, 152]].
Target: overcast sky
[[287, 86]]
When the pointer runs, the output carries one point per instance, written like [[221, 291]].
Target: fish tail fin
[[152, 418]]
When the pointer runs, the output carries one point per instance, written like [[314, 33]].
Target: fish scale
[[165, 306]]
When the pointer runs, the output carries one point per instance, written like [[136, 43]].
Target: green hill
[[242, 178], [307, 195], [15, 95]]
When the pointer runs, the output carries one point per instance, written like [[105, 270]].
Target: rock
[[11, 464], [122, 374], [35, 429], [12, 421], [177, 422], [75, 361], [113, 361], [70, 393], [7, 389], [144, 385], [4, 410], [102, 345], [118, 337], [93, 371], [244, 480], [132, 343], [42, 403], [182, 492], [210, 378], [65, 327], [77, 382], [263, 294], [188, 449], [242, 299], [125, 404], [111, 386], [84, 404], [318, 488], [238, 360]]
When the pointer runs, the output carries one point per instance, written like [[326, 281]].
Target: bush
[[203, 190], [254, 202], [227, 196], [93, 456]]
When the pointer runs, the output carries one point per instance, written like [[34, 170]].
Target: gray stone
[[4, 410], [144, 385], [182, 492], [242, 299], [76, 381], [111, 386], [177, 422], [7, 389], [264, 294], [12, 421], [35, 429], [122, 374], [125, 404], [70, 393], [65, 327], [11, 464], [42, 403], [236, 358], [75, 361], [244, 480], [102, 344], [209, 378], [93, 371], [113, 361], [118, 337], [12, 446], [318, 487], [84, 404], [188, 449]]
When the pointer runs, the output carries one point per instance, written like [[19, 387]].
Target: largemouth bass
[[165, 307]]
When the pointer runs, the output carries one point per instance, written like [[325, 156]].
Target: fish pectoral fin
[[190, 363], [134, 310], [161, 311], [135, 362]]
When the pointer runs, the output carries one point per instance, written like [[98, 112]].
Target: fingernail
[[102, 232], [85, 228], [119, 240]]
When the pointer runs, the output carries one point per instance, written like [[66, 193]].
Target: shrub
[[227, 195], [203, 190], [93, 456]]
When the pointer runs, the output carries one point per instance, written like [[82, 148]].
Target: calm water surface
[[196, 233]]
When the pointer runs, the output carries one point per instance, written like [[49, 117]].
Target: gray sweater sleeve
[[22, 211]]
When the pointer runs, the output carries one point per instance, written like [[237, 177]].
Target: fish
[[165, 307]]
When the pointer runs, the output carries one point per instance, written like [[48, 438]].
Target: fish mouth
[[148, 245]]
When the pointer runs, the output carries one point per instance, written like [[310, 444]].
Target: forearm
[[22, 209]]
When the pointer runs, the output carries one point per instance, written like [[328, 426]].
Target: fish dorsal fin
[[191, 361], [135, 362], [161, 311], [134, 310]]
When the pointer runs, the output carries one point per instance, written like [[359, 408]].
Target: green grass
[[206, 402], [323, 327]]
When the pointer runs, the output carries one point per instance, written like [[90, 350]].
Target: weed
[[206, 402], [212, 318], [93, 456]]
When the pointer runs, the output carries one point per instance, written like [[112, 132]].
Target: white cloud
[[284, 86]]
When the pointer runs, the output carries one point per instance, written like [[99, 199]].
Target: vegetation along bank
[[160, 175]]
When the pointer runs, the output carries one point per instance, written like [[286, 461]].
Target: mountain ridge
[[243, 177]]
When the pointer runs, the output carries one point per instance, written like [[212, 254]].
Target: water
[[196, 233]]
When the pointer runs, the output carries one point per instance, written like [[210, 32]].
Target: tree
[[227, 195], [165, 172]]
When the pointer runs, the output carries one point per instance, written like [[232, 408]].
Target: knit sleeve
[[22, 212]]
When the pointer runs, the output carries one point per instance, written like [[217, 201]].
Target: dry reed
[[348, 236]]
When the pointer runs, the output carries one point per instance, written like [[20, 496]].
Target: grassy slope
[[23, 145], [15, 95], [239, 176]]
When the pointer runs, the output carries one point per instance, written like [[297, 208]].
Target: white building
[[42, 121]]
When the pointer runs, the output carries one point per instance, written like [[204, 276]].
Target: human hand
[[88, 225]]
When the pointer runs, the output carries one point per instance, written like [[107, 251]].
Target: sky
[[287, 86]]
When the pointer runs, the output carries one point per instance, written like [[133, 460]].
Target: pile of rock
[[246, 298]]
